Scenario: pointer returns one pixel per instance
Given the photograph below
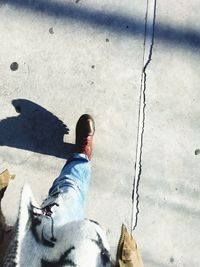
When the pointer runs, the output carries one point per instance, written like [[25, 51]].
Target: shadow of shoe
[[35, 129]]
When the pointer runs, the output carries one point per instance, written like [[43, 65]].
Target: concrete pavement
[[77, 57]]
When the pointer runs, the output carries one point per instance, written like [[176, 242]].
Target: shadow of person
[[35, 129]]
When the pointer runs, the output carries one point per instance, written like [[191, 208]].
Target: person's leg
[[69, 190], [75, 176]]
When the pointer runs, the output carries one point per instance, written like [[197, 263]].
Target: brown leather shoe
[[85, 129]]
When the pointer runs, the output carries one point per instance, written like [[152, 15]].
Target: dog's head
[[38, 242]]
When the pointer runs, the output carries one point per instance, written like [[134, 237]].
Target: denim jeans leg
[[71, 187]]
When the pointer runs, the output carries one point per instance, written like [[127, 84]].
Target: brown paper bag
[[128, 254], [5, 178]]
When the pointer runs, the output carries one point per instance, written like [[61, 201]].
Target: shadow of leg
[[35, 129]]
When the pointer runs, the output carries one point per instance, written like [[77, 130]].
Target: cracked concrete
[[169, 213], [79, 57], [147, 56]]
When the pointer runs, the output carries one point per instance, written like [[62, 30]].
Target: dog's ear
[[3, 225], [5, 230], [13, 252], [2, 191], [26, 213]]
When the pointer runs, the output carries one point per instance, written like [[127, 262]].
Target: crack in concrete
[[147, 56]]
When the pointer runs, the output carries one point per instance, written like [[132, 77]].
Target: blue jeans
[[69, 190]]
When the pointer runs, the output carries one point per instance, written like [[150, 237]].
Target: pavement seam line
[[147, 57]]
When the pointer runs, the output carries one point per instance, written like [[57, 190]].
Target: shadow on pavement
[[118, 23], [35, 129]]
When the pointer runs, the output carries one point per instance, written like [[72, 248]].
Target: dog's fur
[[38, 243], [5, 230]]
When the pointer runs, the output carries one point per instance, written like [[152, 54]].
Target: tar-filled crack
[[141, 113]]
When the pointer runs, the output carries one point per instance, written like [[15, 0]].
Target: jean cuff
[[79, 156]]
